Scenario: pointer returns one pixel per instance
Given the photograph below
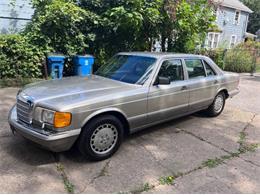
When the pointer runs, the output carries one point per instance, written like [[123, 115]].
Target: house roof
[[236, 4]]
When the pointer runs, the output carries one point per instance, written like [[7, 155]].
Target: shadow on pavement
[[252, 78]]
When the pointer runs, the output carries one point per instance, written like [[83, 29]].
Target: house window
[[233, 41], [237, 17], [213, 39]]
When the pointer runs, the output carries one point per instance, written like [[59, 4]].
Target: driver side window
[[172, 69]]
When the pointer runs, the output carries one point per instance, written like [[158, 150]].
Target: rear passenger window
[[209, 70], [195, 68], [172, 69]]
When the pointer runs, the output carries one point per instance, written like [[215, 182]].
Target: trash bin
[[83, 65], [55, 65]]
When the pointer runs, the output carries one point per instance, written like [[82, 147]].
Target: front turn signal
[[62, 119]]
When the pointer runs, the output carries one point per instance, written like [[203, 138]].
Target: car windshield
[[128, 68]]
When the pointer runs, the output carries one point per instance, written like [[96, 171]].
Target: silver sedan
[[129, 93]]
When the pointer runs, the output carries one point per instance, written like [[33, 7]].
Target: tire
[[101, 137], [217, 106]]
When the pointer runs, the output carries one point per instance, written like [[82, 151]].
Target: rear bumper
[[234, 92], [54, 142]]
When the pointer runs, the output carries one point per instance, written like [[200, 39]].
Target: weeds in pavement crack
[[166, 180], [211, 163], [243, 148], [103, 172], [144, 188], [69, 187]]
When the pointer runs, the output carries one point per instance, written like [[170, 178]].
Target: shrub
[[239, 60], [242, 58], [18, 58], [216, 55], [58, 27]]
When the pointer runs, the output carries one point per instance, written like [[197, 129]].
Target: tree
[[125, 25], [57, 26], [105, 27], [254, 18], [186, 23]]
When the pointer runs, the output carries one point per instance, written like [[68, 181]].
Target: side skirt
[[166, 120]]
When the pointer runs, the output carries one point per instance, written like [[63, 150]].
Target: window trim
[[185, 77], [231, 40], [213, 40], [204, 63], [239, 17], [193, 78], [172, 59]]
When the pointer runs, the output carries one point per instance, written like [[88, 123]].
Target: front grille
[[23, 111]]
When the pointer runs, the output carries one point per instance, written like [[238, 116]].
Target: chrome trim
[[35, 132], [24, 111]]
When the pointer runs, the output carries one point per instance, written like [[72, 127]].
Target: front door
[[168, 101]]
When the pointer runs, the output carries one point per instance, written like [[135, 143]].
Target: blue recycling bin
[[83, 65], [55, 65]]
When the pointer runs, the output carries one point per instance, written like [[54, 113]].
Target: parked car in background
[[131, 92]]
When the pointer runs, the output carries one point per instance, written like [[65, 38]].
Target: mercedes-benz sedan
[[129, 93]]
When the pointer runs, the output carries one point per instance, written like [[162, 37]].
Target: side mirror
[[162, 81]]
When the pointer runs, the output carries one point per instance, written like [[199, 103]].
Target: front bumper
[[57, 142]]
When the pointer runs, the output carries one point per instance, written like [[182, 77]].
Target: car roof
[[161, 54]]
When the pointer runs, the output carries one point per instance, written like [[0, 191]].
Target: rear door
[[168, 101], [201, 83]]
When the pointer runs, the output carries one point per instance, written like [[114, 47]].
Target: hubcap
[[104, 138], [219, 102]]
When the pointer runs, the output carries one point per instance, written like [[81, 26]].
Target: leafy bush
[[18, 58], [242, 58], [60, 26], [216, 55], [239, 60]]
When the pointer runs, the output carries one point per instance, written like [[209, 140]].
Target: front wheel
[[217, 106], [101, 137]]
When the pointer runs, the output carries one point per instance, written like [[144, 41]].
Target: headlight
[[47, 116], [57, 119]]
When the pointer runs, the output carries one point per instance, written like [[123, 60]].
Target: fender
[[101, 111], [223, 89]]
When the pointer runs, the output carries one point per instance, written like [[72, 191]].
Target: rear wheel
[[101, 137], [218, 105]]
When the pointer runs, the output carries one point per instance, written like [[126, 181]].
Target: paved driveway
[[194, 154]]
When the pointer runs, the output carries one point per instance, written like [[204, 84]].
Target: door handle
[[216, 82], [184, 88]]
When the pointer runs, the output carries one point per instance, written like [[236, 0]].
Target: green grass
[[242, 137], [166, 180], [144, 188], [211, 163], [69, 187]]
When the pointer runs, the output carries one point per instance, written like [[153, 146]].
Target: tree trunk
[[163, 41]]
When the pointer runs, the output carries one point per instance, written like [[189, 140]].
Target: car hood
[[71, 90]]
